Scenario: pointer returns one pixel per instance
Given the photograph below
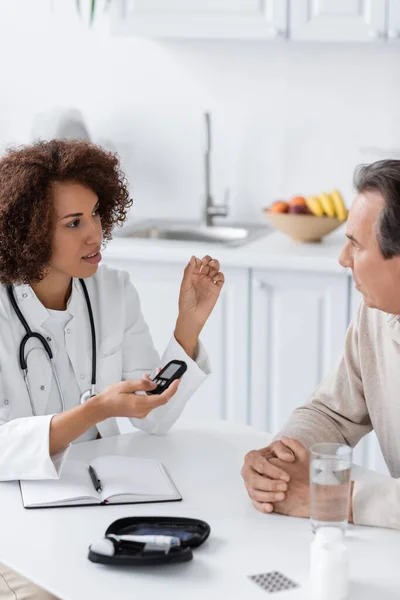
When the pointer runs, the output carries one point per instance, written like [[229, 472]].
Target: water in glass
[[330, 475]]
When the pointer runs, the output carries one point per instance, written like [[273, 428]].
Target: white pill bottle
[[329, 566]]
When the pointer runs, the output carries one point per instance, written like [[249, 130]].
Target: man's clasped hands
[[277, 478]]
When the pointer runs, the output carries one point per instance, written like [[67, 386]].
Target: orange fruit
[[297, 201], [280, 206]]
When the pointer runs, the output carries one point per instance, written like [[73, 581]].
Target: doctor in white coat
[[59, 201]]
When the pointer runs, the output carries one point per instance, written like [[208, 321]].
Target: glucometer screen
[[169, 371]]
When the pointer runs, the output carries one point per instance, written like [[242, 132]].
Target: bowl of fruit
[[308, 219]]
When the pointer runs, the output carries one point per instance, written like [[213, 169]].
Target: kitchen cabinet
[[224, 394], [206, 19], [340, 20], [314, 20], [298, 324], [394, 20], [297, 20]]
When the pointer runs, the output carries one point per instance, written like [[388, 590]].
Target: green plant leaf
[[78, 6], [92, 11]]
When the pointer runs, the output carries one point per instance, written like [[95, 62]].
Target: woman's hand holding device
[[132, 399], [122, 400]]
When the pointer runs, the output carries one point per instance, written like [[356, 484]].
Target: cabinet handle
[[276, 32], [376, 34], [394, 34], [258, 284]]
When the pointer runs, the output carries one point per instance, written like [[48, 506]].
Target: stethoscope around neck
[[32, 334]]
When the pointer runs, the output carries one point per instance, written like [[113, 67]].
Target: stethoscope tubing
[[46, 346], [93, 334]]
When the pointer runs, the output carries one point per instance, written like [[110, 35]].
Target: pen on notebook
[[95, 480]]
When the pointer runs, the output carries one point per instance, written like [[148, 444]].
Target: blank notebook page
[[135, 476], [74, 484]]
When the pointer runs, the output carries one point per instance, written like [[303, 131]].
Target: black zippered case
[[191, 532]]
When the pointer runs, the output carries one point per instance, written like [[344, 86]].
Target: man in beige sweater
[[362, 393]]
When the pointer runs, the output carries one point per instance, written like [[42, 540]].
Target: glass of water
[[330, 476]]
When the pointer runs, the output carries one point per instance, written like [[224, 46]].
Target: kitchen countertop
[[273, 251]]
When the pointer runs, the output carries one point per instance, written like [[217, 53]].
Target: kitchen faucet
[[211, 210]]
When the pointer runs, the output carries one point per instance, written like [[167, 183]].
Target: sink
[[234, 234]]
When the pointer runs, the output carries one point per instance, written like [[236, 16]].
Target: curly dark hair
[[26, 207]]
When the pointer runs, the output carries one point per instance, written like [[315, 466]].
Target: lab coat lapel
[[79, 347], [32, 309], [78, 339], [39, 369]]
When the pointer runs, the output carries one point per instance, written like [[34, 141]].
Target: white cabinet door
[[299, 321], [367, 452], [394, 20], [207, 19], [338, 20], [224, 394]]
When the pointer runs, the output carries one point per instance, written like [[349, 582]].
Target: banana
[[340, 209], [327, 205], [314, 204]]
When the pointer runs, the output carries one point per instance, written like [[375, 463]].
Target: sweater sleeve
[[337, 411], [377, 503]]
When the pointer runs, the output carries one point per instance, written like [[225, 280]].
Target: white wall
[[288, 118]]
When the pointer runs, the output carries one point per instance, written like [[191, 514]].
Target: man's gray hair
[[383, 176]]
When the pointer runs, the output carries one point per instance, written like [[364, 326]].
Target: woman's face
[[77, 230]]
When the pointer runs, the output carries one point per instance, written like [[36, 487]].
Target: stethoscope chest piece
[[87, 395]]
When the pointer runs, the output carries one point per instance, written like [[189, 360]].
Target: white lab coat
[[125, 351]]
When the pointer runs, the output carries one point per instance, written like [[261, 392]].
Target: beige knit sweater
[[360, 394]]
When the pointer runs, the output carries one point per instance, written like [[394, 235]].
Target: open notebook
[[124, 479]]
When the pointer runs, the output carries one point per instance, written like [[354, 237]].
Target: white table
[[49, 546]]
